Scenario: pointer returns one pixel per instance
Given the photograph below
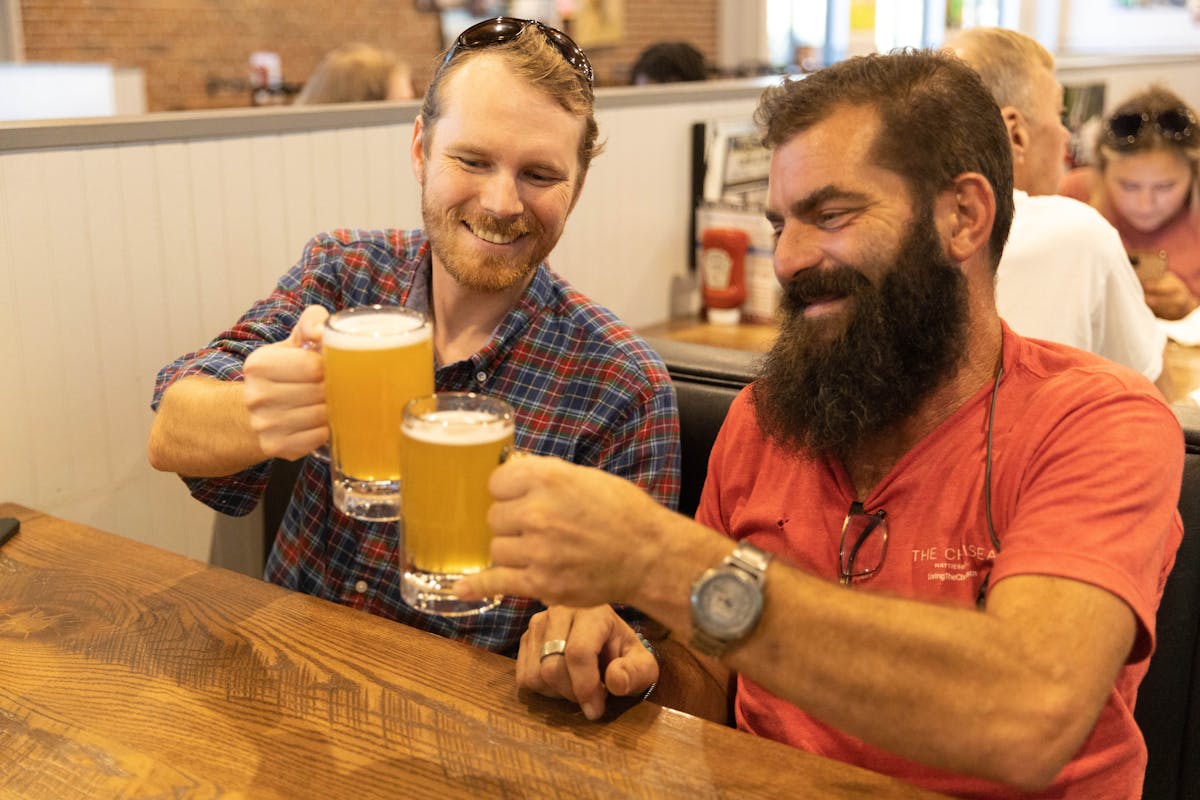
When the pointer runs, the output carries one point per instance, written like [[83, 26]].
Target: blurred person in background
[[668, 62], [1144, 182], [1064, 275], [356, 73]]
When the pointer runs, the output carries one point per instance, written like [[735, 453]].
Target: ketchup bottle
[[723, 273]]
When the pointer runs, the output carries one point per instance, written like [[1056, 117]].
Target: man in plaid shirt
[[501, 158]]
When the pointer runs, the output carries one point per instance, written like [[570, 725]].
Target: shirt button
[[360, 587], [480, 377]]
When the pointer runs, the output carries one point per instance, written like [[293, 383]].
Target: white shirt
[[1065, 277]]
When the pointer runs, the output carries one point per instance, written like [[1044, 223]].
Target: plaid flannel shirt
[[585, 388]]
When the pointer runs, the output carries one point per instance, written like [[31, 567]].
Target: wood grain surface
[[130, 672]]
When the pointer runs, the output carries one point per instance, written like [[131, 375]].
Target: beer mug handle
[[322, 452]]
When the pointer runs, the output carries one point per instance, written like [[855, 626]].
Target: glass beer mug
[[377, 358], [452, 442]]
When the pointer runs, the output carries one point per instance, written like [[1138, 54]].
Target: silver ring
[[554, 647]]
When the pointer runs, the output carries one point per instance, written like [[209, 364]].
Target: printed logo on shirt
[[953, 563]]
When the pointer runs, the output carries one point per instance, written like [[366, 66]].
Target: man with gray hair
[[1065, 275]]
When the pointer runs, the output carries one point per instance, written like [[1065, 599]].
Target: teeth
[[494, 237]]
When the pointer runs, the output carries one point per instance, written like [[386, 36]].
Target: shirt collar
[[536, 297]]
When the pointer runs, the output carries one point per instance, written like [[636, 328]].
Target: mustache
[[810, 285], [502, 228]]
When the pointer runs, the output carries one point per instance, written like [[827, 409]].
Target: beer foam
[[457, 427], [376, 332]]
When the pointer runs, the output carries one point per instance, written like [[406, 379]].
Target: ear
[[1018, 132], [416, 150], [964, 215]]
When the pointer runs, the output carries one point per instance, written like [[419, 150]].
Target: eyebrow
[[805, 206]]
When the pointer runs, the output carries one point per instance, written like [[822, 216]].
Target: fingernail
[[593, 709]]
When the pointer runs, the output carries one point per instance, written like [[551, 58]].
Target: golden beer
[[376, 360], [452, 442]]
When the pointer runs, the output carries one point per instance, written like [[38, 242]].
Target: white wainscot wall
[[126, 243]]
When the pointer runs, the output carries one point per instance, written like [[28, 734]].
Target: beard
[[825, 391], [451, 243]]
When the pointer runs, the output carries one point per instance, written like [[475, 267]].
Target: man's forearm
[[836, 653], [202, 430]]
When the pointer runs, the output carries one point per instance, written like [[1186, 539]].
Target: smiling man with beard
[[926, 545], [504, 139], [828, 384]]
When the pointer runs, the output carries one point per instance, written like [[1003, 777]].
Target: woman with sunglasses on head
[[1145, 182]]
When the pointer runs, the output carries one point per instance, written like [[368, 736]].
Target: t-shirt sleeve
[[1127, 331], [312, 281], [724, 468], [1097, 502]]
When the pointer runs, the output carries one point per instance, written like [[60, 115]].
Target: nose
[[1144, 200], [795, 250], [501, 195]]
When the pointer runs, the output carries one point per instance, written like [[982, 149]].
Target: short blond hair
[[533, 59], [352, 73], [1006, 60]]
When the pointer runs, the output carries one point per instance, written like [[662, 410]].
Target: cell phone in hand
[[1149, 265]]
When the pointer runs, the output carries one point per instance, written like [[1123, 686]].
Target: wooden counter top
[[129, 671]]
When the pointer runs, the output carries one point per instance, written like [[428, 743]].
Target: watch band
[[751, 560], [750, 563]]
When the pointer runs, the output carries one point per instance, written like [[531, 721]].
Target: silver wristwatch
[[727, 600]]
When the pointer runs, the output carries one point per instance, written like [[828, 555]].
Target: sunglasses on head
[[492, 32], [1123, 130]]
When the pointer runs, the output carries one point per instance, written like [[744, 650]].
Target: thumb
[[310, 328], [489, 583], [632, 673]]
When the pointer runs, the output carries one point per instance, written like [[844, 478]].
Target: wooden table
[[744, 336], [128, 671], [1183, 366], [1181, 362]]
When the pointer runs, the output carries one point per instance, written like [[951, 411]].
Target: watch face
[[729, 604]]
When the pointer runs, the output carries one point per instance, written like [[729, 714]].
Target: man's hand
[[285, 390], [1169, 297], [568, 535], [603, 656]]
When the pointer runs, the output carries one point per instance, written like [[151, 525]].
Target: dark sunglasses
[[1122, 130], [492, 32]]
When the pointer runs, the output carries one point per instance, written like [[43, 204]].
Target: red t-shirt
[[1086, 468]]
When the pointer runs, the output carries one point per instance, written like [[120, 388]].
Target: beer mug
[[377, 358], [452, 442]]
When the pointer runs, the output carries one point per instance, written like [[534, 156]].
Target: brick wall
[[195, 52], [648, 21]]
